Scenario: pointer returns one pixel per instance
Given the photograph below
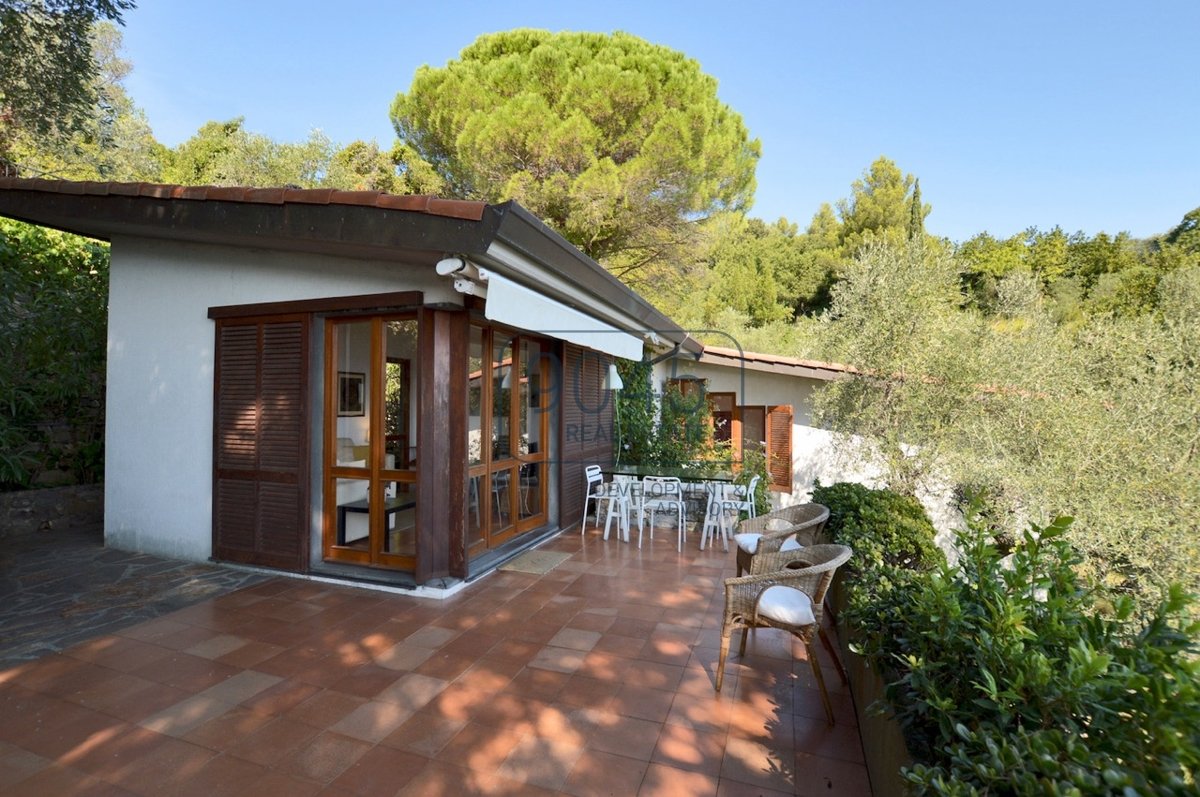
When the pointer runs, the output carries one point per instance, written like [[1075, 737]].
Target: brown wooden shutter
[[260, 442], [779, 447], [587, 427]]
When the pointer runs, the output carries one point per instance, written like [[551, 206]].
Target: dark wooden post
[[442, 413]]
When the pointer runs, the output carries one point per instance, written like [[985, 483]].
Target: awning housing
[[515, 305]]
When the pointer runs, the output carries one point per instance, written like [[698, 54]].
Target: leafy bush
[[883, 527], [670, 430], [1003, 672], [894, 554], [1014, 684], [53, 303]]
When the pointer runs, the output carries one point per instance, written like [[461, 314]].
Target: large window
[[507, 428]]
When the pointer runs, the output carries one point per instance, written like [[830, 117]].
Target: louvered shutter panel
[[587, 424], [779, 447], [260, 442]]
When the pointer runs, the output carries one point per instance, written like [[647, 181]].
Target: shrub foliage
[[53, 302], [1009, 674]]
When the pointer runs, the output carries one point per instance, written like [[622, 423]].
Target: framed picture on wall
[[351, 393]]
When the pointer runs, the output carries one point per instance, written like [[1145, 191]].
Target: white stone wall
[[815, 454], [158, 452]]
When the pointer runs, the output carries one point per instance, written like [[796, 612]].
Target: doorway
[[371, 505]]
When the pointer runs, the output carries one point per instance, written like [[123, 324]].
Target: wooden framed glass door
[[371, 446], [507, 435]]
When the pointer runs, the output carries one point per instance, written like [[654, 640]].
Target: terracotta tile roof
[[431, 205], [717, 355]]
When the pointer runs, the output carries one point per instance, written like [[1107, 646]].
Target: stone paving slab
[[59, 588]]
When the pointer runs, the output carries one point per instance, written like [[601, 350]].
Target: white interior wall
[[158, 452], [354, 356]]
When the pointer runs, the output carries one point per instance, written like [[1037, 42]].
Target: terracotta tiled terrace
[[595, 678]]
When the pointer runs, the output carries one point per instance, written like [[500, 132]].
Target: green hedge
[[1008, 674], [53, 305], [893, 548]]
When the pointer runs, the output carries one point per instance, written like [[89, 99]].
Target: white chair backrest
[[593, 474], [751, 488], [661, 487], [625, 485]]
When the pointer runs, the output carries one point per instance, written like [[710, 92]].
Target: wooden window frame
[[486, 468]]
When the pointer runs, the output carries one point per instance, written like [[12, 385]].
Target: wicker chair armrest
[[742, 593], [797, 515], [809, 569], [807, 536], [756, 525]]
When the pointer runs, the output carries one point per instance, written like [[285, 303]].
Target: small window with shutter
[[779, 447]]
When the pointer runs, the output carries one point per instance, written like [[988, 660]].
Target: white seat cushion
[[747, 541], [786, 605]]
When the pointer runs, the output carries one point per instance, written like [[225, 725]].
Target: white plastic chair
[[622, 495], [727, 499], [593, 491], [662, 494], [714, 515], [740, 497], [596, 492]]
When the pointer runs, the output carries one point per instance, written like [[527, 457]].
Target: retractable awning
[[515, 305]]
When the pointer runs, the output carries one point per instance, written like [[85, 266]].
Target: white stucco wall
[[815, 453], [158, 452]]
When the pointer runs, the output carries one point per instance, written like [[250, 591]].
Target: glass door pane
[[399, 489], [502, 382], [500, 507], [351, 488], [754, 429], [370, 486], [476, 467], [400, 420], [531, 450]]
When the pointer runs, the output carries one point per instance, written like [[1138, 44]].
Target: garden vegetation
[[1010, 673]]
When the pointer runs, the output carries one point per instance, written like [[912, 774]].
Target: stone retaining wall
[[31, 511]]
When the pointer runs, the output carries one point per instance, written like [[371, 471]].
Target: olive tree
[[1098, 422]]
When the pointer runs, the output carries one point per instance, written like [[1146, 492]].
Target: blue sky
[[1084, 115]]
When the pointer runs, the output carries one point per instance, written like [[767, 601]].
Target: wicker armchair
[[790, 598], [767, 533]]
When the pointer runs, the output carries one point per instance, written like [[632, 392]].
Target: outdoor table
[[684, 473], [699, 475]]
